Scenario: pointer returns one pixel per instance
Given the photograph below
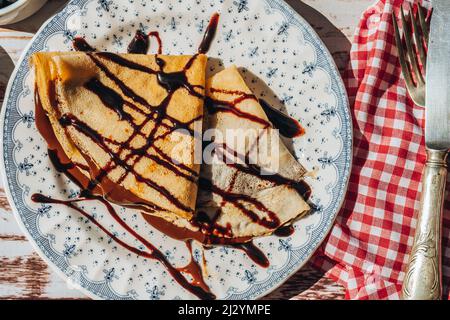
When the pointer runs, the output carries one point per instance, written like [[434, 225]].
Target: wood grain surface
[[24, 275]]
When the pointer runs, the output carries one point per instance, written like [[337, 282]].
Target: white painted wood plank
[[343, 14]]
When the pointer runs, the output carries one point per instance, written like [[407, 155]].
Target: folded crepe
[[246, 190], [256, 187], [115, 117]]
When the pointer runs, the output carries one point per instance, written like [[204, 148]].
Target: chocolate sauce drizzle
[[254, 253], [80, 44], [209, 34], [288, 127], [155, 34], [141, 42], [186, 235], [109, 97], [216, 106], [175, 80], [101, 189], [198, 287], [284, 231], [300, 186], [271, 221]]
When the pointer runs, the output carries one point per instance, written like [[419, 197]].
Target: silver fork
[[414, 79], [423, 274]]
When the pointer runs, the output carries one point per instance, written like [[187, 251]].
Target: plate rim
[[347, 171]]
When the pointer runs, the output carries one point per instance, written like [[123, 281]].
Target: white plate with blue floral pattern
[[276, 49]]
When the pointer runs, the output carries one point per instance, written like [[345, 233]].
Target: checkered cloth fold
[[367, 249]]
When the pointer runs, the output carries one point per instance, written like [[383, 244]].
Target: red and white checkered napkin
[[367, 250]]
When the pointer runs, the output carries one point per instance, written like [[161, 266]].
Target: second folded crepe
[[242, 194]]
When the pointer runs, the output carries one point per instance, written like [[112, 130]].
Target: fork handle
[[423, 279]]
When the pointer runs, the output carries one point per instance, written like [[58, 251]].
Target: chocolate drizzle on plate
[[197, 286], [96, 186], [155, 34], [284, 231], [209, 34], [184, 234], [80, 44], [288, 127], [207, 239], [141, 42], [254, 253]]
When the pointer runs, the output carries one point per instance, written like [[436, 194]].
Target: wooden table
[[24, 275]]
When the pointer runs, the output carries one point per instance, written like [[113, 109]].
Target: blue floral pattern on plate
[[282, 60]]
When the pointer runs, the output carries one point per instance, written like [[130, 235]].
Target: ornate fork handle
[[423, 277]]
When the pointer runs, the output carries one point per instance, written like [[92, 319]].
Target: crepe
[[116, 118], [275, 187], [235, 202]]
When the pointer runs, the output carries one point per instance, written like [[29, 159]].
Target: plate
[[282, 60]]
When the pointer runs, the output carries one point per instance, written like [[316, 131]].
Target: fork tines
[[413, 61]]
